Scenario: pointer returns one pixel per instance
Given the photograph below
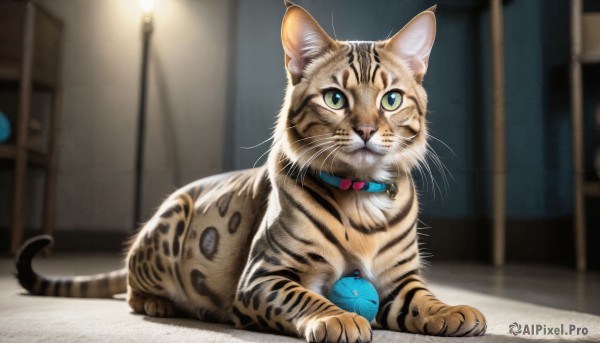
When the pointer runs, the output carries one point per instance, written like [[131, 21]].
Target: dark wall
[[538, 136]]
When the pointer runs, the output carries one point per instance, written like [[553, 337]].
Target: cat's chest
[[366, 213], [356, 253], [360, 254]]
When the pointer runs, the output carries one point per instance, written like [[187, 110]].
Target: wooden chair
[[30, 44]]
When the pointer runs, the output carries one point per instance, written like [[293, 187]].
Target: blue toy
[[4, 127], [355, 294]]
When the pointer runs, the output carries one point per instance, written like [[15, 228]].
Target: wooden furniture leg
[[25, 88], [577, 132], [499, 165]]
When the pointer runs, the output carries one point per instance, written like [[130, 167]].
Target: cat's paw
[[454, 321], [346, 327], [136, 302], [159, 307]]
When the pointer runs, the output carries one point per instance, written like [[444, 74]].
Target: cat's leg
[[274, 300], [407, 305], [411, 307]]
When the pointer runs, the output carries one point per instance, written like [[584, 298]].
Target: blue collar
[[366, 186]]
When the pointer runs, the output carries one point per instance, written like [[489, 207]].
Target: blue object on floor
[[4, 127], [355, 294]]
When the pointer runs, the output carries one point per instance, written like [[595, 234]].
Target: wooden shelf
[[37, 158], [30, 45], [41, 78]]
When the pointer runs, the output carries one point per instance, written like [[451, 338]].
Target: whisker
[[446, 145], [434, 155], [313, 142], [333, 27], [389, 34], [419, 166], [309, 144], [423, 167], [334, 157], [438, 162], [268, 139], [257, 145], [306, 165], [299, 169], [332, 151], [292, 164], [305, 138], [270, 148], [261, 156]]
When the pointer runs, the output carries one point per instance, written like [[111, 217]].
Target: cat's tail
[[93, 286]]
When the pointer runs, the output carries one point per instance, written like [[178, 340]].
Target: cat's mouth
[[366, 150], [364, 156]]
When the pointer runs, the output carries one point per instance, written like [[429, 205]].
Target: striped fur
[[261, 248]]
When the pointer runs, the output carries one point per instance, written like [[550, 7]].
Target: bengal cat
[[261, 248]]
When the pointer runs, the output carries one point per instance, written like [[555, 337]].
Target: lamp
[[147, 7]]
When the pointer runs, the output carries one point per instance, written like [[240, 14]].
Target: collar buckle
[[392, 190]]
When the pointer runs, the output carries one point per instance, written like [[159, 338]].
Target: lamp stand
[[147, 28]]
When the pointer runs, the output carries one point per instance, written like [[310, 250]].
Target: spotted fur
[[261, 248]]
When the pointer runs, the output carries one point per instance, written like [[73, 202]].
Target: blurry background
[[216, 82]]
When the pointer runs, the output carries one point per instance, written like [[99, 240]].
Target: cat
[[261, 248]]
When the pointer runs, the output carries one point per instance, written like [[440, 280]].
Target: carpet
[[26, 318]]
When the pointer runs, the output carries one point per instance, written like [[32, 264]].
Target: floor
[[560, 288], [514, 294]]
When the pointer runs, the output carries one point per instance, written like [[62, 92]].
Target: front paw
[[346, 327], [159, 307], [455, 321]]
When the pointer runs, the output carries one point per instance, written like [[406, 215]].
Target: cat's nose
[[365, 131]]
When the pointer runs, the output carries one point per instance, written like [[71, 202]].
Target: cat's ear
[[414, 42], [303, 40]]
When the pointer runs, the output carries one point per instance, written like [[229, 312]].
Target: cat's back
[[227, 207]]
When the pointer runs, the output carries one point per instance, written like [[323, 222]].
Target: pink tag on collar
[[358, 185], [345, 184]]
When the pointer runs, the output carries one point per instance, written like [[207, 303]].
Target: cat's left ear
[[414, 42], [303, 40]]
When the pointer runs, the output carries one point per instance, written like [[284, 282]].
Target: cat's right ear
[[303, 40]]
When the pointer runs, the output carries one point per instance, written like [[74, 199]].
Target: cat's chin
[[362, 158]]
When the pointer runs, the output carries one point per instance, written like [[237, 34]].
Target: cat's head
[[355, 109]]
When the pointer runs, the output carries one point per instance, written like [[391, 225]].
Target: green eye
[[391, 100], [334, 99]]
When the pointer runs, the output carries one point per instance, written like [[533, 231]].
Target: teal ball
[[4, 127], [355, 294]]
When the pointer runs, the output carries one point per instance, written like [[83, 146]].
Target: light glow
[[147, 6]]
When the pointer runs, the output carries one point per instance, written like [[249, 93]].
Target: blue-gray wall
[[458, 82]]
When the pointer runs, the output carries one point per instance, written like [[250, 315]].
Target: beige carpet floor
[[25, 318]]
